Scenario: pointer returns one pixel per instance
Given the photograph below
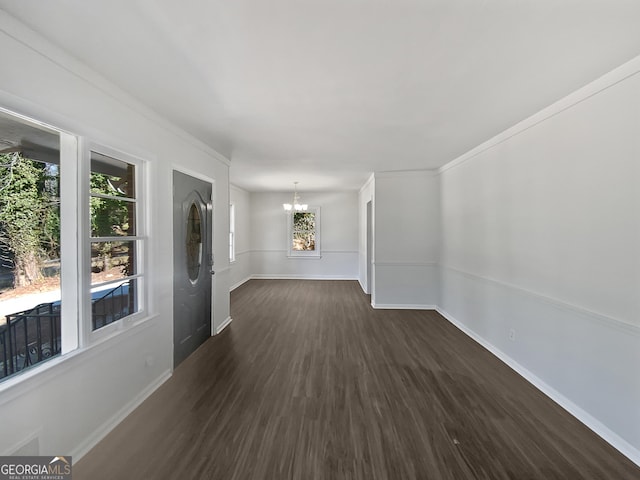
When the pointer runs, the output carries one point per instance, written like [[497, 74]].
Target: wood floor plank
[[309, 382]]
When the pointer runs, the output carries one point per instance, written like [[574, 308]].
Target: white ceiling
[[327, 91]]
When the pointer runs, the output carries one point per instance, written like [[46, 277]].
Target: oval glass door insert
[[194, 243]]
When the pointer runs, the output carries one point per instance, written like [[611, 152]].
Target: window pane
[[112, 177], [113, 210], [194, 243], [232, 229], [304, 231], [29, 246], [112, 260], [111, 217], [113, 302]]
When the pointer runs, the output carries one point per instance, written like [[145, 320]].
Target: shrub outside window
[[303, 233]]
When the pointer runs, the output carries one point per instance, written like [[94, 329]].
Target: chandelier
[[296, 205]]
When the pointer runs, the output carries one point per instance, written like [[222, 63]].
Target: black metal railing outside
[[29, 337], [117, 303], [33, 336]]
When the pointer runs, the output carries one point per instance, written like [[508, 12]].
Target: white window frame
[[141, 239], [70, 326], [291, 253], [68, 163], [232, 232], [75, 246]]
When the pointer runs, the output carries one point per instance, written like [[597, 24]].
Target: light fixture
[[296, 205]]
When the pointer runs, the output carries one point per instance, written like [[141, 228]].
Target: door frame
[[369, 247]]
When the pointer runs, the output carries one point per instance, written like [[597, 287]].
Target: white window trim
[[89, 335], [68, 162], [315, 254], [69, 260], [75, 315]]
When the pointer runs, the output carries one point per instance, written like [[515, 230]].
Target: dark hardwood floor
[[309, 382]]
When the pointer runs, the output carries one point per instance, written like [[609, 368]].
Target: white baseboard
[[28, 446], [241, 282], [102, 431], [362, 286], [595, 425], [400, 306], [260, 276], [223, 325]]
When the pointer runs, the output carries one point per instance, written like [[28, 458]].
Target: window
[[194, 243], [232, 233], [116, 240], [30, 245], [47, 196], [303, 233]]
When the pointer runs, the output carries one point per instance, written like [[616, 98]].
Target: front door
[[192, 264]]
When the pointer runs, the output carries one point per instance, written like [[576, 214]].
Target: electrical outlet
[[512, 335]]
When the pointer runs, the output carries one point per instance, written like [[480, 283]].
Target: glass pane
[[111, 261], [304, 231], [112, 177], [232, 229], [194, 243], [29, 247], [110, 303], [111, 217]]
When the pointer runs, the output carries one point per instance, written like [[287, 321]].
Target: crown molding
[[608, 80], [20, 33]]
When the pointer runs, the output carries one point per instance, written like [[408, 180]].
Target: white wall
[[338, 237], [541, 236], [72, 401], [406, 240], [241, 268]]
